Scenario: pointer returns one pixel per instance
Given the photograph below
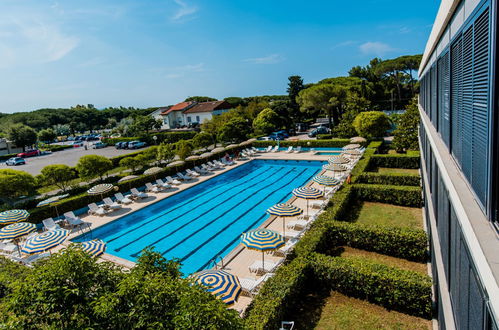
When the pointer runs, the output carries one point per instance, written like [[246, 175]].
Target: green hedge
[[333, 143], [56, 147], [405, 243], [278, 295], [401, 290], [5, 157], [397, 195], [324, 136], [397, 161], [397, 179]]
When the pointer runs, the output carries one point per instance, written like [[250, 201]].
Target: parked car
[[135, 144], [99, 145], [318, 130], [77, 144], [301, 127], [279, 135], [29, 153], [15, 161]]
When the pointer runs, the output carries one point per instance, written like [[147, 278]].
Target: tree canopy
[[14, 184], [406, 135], [22, 135], [266, 121], [92, 166], [371, 124], [58, 175]]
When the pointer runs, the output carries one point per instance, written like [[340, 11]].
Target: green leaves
[[371, 124], [58, 175], [22, 135], [406, 135], [266, 122], [14, 184], [92, 166]]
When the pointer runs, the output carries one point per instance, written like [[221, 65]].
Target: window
[[189, 119], [197, 119]]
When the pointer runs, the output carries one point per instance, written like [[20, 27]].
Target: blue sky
[[152, 53]]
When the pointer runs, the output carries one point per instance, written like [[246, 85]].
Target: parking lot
[[68, 157]]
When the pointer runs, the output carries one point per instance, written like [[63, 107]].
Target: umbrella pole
[[56, 210], [284, 226], [263, 260], [307, 208]]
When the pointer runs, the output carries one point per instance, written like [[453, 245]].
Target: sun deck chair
[[214, 165], [72, 219], [297, 149], [320, 204], [153, 189], [110, 204], [184, 177], [227, 162], [170, 180], [255, 150], [297, 224], [268, 149], [201, 170], [93, 209], [289, 150], [275, 149], [162, 184], [288, 247], [192, 173], [219, 163], [267, 267], [250, 286], [29, 261], [122, 199], [138, 194], [295, 234], [49, 224]]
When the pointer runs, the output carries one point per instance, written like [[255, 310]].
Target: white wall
[[202, 116]]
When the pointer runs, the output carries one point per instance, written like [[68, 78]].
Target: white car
[[15, 161]]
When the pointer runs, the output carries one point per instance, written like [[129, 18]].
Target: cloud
[[270, 59], [184, 11], [375, 48], [405, 30], [29, 41], [344, 44]]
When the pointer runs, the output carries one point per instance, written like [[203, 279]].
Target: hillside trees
[[22, 135]]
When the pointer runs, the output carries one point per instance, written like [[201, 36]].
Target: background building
[[459, 145]]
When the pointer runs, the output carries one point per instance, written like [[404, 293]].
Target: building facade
[[205, 110], [459, 153]]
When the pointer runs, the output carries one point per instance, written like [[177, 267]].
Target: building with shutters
[[460, 170]]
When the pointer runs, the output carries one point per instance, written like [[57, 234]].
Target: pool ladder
[[215, 263]]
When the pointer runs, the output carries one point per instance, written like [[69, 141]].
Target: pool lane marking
[[229, 224], [169, 210], [252, 225], [185, 213], [197, 217]]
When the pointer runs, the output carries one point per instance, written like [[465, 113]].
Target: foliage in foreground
[[371, 124], [71, 290], [406, 135]]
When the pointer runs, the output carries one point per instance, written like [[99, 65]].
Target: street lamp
[[155, 138]]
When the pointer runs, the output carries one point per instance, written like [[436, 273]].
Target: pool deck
[[239, 259]]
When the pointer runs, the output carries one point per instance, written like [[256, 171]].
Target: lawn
[[387, 170], [337, 311], [388, 215], [384, 259]]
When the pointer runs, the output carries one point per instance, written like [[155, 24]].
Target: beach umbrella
[[357, 139], [335, 167], [45, 241], [338, 160], [153, 171], [100, 189], [262, 240], [176, 163], [307, 193], [128, 178], [193, 157], [231, 146], [206, 155], [52, 201], [17, 230], [95, 247], [353, 152], [351, 146], [284, 210], [13, 216], [223, 285], [217, 150], [325, 180]]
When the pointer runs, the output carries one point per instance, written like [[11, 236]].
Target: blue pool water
[[306, 149], [205, 221]]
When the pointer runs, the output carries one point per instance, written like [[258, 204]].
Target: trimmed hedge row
[[7, 156], [325, 136], [169, 137], [278, 295], [396, 161], [397, 195], [333, 143], [397, 179], [56, 147], [401, 290]]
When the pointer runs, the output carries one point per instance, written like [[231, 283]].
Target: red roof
[[178, 107], [208, 107]]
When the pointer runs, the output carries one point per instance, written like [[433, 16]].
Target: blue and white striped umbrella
[[218, 282], [307, 193], [95, 247], [335, 167], [51, 200], [263, 240], [351, 146], [17, 230], [284, 210], [45, 241], [326, 180], [13, 216], [354, 152], [338, 160], [100, 189]]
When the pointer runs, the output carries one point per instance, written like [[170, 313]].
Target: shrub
[[56, 147], [324, 136], [410, 161], [371, 124], [406, 134], [91, 166], [279, 294], [7, 156], [397, 195], [266, 121], [14, 184], [397, 179], [405, 291]]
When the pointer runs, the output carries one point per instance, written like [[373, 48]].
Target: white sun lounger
[[269, 149], [192, 173], [93, 209], [295, 234], [219, 163], [283, 251], [138, 194], [122, 199], [214, 164], [170, 180], [318, 204], [110, 204], [185, 177], [297, 223], [29, 261], [297, 149], [201, 170], [49, 224], [72, 219], [163, 184], [267, 267], [275, 149], [227, 163], [250, 286], [153, 189], [290, 150]]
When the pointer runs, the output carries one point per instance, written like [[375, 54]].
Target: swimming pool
[[206, 220], [332, 151], [327, 153]]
